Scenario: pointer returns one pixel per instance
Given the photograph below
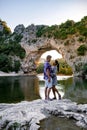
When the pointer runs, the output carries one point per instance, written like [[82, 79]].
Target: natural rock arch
[[68, 52], [35, 46]]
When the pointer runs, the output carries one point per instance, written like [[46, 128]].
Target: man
[[47, 77]]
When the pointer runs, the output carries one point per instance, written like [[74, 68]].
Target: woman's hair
[[57, 63]]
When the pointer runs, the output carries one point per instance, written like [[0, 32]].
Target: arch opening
[[65, 68]]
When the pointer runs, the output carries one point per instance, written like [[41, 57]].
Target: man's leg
[[45, 92], [49, 88], [48, 93]]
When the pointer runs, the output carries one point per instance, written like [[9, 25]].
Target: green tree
[[16, 65], [81, 50], [5, 63]]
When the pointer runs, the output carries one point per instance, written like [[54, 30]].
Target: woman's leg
[[48, 88], [54, 89]]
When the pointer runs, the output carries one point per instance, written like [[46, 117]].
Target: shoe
[[54, 98], [59, 97]]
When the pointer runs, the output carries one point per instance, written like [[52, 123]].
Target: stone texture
[[35, 47], [19, 29], [26, 115]]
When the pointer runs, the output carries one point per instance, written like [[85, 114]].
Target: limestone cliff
[[71, 43], [69, 39]]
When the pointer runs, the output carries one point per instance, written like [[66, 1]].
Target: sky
[[47, 12], [55, 55]]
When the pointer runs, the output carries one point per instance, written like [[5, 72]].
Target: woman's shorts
[[54, 81], [48, 84]]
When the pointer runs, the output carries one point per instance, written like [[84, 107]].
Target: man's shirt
[[47, 66]]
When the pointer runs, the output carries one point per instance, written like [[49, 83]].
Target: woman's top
[[54, 71]]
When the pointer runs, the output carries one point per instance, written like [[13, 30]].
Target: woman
[[55, 68]]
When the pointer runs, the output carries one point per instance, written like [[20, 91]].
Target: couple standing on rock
[[50, 78]]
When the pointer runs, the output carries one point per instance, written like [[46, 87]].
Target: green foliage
[[8, 65], [81, 27], [40, 68], [12, 48], [40, 31], [64, 30], [16, 65], [60, 34], [66, 71], [9, 48], [85, 68], [81, 39], [82, 49], [64, 68], [17, 38], [67, 24], [6, 29], [5, 63]]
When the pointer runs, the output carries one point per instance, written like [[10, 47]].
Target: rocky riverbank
[[26, 115]]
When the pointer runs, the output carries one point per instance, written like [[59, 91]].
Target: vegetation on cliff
[[70, 32], [11, 51], [64, 30]]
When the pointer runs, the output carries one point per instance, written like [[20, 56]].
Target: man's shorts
[[48, 84]]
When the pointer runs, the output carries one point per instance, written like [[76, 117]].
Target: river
[[14, 89]]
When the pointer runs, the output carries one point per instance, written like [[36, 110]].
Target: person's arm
[[48, 74]]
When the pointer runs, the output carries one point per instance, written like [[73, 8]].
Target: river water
[[14, 89]]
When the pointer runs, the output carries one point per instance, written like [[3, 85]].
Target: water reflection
[[16, 89], [30, 87], [71, 88], [19, 88], [58, 123], [58, 86], [75, 89]]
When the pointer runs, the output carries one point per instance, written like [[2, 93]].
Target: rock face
[[19, 29], [26, 115], [36, 46]]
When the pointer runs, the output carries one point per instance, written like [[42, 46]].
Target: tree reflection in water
[[30, 87], [19, 88]]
